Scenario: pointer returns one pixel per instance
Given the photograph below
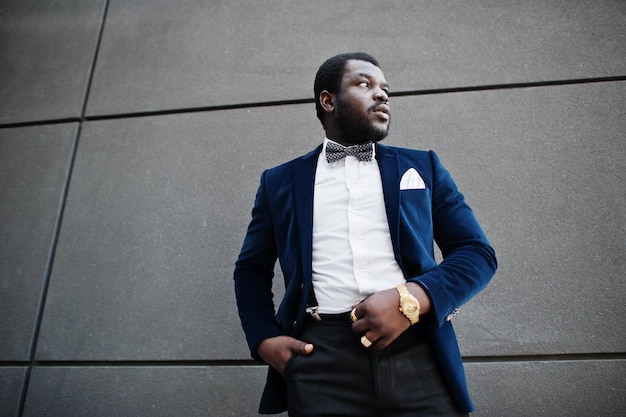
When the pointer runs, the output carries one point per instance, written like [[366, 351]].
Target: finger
[[305, 348], [358, 310], [363, 324], [353, 316], [366, 342], [380, 343], [360, 326], [369, 340]]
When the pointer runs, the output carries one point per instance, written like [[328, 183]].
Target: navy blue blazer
[[281, 228]]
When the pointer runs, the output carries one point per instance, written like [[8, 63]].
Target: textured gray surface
[[11, 379], [141, 279], [46, 50], [176, 54], [590, 388], [184, 391], [34, 165]]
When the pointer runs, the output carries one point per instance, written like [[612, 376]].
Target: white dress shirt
[[352, 252]]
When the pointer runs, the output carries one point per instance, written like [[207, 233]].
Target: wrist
[[409, 305], [419, 293]]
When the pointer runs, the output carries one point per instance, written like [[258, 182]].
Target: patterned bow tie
[[335, 152]]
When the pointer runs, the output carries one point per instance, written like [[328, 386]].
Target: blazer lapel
[[304, 185], [388, 164]]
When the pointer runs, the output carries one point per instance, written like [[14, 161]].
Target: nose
[[381, 95]]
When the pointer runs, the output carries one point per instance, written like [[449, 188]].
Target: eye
[[365, 84]]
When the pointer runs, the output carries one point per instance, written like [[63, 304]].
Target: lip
[[382, 110]]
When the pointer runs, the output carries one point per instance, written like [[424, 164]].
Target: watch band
[[409, 306]]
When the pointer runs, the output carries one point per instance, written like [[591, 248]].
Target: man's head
[[352, 98], [331, 72]]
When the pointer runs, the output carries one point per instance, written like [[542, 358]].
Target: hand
[[380, 319], [277, 351]]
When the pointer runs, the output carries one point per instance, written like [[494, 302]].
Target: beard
[[356, 128]]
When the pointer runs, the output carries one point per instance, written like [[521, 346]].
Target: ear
[[327, 101]]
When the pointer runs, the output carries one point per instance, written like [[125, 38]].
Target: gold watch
[[409, 306]]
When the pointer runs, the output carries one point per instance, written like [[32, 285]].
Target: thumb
[[304, 348]]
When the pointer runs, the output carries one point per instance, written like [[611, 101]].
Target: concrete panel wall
[[133, 134]]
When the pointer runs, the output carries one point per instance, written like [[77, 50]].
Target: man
[[364, 326]]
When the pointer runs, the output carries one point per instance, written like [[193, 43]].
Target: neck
[[338, 139], [334, 135]]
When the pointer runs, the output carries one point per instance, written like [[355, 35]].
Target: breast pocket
[[416, 212]]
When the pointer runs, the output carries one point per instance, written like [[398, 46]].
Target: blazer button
[[451, 315]]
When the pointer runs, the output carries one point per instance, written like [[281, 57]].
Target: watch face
[[409, 307]]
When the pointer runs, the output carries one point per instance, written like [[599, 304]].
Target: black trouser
[[343, 378]]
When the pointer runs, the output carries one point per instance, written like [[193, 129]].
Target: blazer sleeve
[[254, 271], [469, 261]]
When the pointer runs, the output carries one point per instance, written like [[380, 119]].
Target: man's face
[[362, 107]]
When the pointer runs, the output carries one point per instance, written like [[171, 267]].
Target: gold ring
[[365, 341], [353, 316]]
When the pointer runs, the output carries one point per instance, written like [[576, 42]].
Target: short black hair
[[331, 72]]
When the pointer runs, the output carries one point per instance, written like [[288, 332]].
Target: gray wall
[[133, 134]]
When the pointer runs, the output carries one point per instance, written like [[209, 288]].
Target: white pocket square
[[411, 180]]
